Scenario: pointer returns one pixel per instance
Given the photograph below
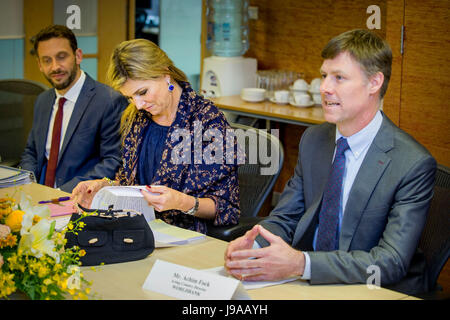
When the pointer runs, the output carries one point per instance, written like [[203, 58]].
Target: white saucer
[[292, 103], [277, 102], [252, 99]]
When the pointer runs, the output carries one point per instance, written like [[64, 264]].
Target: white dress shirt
[[71, 96]]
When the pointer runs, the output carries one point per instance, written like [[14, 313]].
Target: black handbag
[[112, 236]]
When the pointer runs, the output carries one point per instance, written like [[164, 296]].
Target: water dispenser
[[226, 72]]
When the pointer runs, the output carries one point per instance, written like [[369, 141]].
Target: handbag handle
[[110, 213]]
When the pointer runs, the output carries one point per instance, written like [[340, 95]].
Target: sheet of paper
[[249, 285], [190, 284]]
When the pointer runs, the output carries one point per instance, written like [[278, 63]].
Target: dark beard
[[65, 84]]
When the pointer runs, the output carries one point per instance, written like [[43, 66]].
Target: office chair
[[17, 97], [254, 187], [435, 239]]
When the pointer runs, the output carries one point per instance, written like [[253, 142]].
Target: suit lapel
[[86, 93], [370, 172], [320, 165], [321, 161]]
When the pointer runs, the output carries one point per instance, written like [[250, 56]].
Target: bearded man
[[75, 132]]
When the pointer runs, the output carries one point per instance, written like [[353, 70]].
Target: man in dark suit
[[357, 202], [75, 133]]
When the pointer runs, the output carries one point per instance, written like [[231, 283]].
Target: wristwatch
[[192, 211]]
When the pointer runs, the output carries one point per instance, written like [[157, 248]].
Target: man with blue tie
[[75, 133], [360, 191]]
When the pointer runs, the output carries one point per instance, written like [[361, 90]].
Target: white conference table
[[123, 281]]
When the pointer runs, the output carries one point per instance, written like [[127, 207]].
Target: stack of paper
[[10, 177], [167, 235]]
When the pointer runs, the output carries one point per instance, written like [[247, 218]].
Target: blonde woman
[[190, 189]]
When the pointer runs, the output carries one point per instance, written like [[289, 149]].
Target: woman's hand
[[85, 191], [164, 198]]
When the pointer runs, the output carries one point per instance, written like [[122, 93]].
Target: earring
[[171, 86]]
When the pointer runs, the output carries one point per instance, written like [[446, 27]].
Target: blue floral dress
[[195, 175]]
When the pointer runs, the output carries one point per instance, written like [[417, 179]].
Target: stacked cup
[[314, 89], [300, 95]]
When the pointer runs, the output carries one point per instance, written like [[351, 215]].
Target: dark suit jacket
[[384, 215], [91, 145]]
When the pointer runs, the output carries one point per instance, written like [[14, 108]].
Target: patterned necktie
[[327, 237], [54, 149]]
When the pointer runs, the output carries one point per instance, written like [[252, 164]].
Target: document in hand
[[10, 177], [124, 198]]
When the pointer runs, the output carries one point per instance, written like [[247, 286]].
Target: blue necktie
[[327, 237]]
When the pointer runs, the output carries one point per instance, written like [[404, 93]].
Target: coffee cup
[[317, 98], [300, 84], [315, 85], [302, 98], [281, 96]]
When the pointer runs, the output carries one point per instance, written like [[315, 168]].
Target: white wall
[[11, 39], [180, 32]]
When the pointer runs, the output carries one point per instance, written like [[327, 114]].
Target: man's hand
[[275, 262]]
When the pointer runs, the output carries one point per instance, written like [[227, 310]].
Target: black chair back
[[257, 176], [17, 97], [435, 239]]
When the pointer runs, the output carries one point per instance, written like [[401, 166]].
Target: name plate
[[190, 284]]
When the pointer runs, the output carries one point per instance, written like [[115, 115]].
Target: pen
[[57, 200]]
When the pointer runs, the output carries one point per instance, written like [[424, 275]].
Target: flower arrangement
[[33, 259]]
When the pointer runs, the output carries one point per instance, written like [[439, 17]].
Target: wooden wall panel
[[112, 29], [394, 15], [36, 16], [426, 76], [291, 34]]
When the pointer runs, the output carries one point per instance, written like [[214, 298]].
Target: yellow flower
[[9, 241], [14, 220], [43, 271], [7, 285]]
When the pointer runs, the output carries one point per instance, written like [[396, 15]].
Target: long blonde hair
[[138, 59]]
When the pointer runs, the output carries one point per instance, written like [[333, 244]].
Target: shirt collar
[[74, 92], [361, 140]]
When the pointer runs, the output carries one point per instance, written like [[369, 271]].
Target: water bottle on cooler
[[227, 27]]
